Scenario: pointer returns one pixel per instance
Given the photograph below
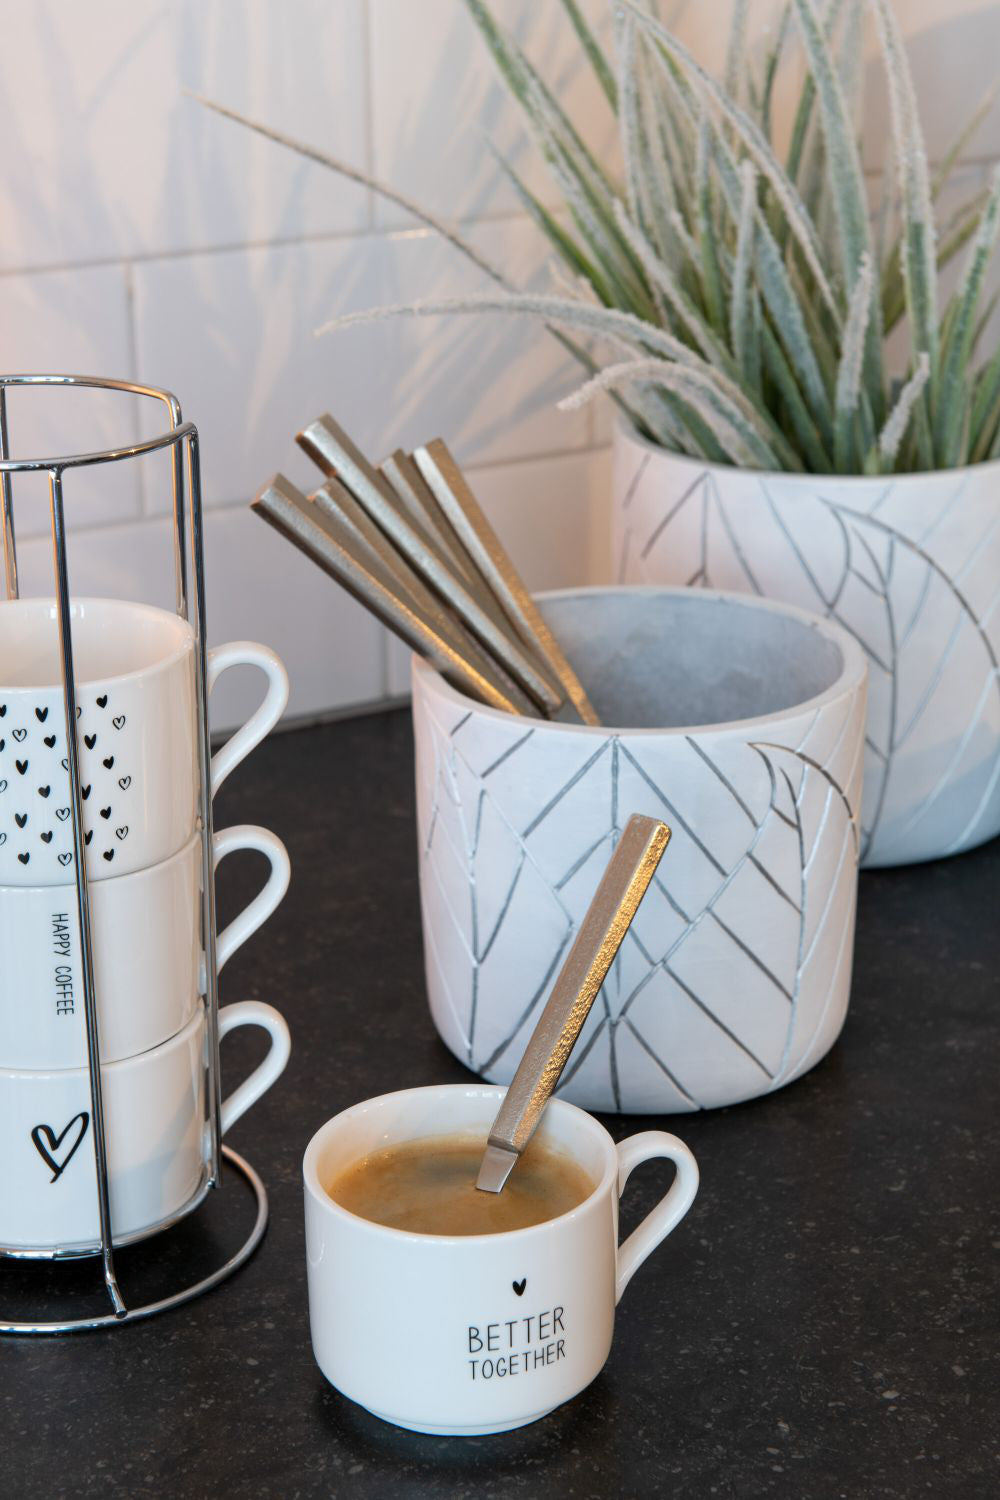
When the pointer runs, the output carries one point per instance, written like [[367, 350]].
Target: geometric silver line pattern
[[734, 976], [909, 565]]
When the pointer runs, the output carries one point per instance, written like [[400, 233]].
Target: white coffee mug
[[148, 965], [478, 1333], [155, 1128], [137, 735]]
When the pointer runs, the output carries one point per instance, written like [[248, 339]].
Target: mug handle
[[668, 1212], [249, 836], [254, 1013], [264, 718]]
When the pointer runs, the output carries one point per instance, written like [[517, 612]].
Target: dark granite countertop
[[825, 1323]]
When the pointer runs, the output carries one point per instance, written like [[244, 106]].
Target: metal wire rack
[[181, 440]]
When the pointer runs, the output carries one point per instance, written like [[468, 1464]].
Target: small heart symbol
[[43, 791], [65, 765], [122, 832], [3, 786], [105, 812], [41, 714], [62, 813], [20, 734], [3, 710], [2, 743], [102, 702], [79, 710], [85, 791], [20, 819], [3, 839], [64, 859], [46, 1152], [88, 836], [50, 740], [22, 766], [109, 855], [90, 740], [519, 1286], [47, 837], [24, 858], [109, 761], [119, 721], [123, 781]]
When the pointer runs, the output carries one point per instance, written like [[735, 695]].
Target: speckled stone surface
[[825, 1323]]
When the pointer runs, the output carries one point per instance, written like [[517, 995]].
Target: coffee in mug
[[473, 1333], [428, 1186]]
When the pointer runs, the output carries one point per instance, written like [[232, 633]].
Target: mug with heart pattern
[[156, 1131], [137, 735], [148, 964]]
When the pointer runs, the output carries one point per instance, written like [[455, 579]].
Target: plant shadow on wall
[[737, 299]]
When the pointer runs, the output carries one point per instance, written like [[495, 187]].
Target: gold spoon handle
[[622, 887]]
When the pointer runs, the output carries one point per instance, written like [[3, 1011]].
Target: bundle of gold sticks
[[409, 540]]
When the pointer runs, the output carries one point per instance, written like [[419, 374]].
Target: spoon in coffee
[[607, 919]]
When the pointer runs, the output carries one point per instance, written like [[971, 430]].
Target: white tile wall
[[147, 238]]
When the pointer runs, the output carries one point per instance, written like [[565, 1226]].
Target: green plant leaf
[[951, 410], [593, 50], [755, 143]]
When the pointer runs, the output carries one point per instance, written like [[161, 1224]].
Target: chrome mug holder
[[188, 545]]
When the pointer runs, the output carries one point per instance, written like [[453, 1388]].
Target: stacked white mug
[[134, 669]]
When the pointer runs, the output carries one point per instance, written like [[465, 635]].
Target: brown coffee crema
[[428, 1186]]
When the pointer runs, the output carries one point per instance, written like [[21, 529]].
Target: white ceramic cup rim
[[851, 676], [173, 623], [148, 871], [179, 1039], [582, 1121]]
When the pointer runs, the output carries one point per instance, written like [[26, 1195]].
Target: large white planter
[[734, 977], [909, 565]]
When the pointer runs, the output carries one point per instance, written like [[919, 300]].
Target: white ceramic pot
[[148, 963], [738, 721], [137, 735], [908, 564], [155, 1127], [467, 1334]]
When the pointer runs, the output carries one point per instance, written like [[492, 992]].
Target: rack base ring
[[176, 1299]]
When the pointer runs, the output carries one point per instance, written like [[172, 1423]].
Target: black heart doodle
[[85, 791], [65, 765], [3, 710], [109, 761], [90, 740], [45, 1133], [47, 837], [79, 710], [119, 721], [20, 819], [109, 855], [123, 781], [62, 813], [50, 740], [122, 832], [3, 839], [102, 701], [64, 859], [22, 766], [43, 791], [20, 735], [519, 1286], [3, 786], [2, 743], [41, 714], [88, 836], [105, 812], [24, 858]]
